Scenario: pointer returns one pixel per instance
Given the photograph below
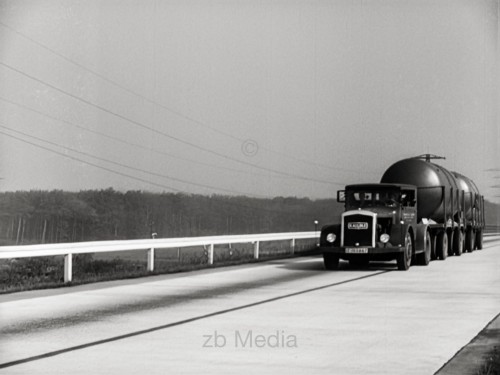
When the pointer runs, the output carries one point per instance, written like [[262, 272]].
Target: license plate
[[356, 250]]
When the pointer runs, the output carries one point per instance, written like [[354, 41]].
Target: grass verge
[[491, 365]]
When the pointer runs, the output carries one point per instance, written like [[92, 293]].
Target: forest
[[35, 216]]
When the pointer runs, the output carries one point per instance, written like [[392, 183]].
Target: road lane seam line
[[180, 322]]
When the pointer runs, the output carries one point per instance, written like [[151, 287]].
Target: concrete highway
[[278, 317]]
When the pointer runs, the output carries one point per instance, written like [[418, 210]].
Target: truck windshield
[[370, 198]]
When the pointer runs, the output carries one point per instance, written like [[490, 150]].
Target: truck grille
[[358, 230]]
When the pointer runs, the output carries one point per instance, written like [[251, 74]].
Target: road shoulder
[[472, 356]]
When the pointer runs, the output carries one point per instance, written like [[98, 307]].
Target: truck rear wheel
[[442, 245], [404, 258], [458, 242], [425, 257], [331, 261], [469, 240], [433, 248]]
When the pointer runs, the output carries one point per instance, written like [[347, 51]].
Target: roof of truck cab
[[374, 186]]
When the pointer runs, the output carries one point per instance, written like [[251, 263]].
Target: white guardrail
[[68, 249]]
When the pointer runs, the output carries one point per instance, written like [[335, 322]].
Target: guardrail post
[[211, 254], [68, 268], [293, 246], [151, 259], [256, 250]]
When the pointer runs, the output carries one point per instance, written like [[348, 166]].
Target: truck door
[[408, 207]]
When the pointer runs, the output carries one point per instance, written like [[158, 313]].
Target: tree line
[[55, 216]]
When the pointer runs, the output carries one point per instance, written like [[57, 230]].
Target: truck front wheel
[[404, 258], [331, 261], [425, 257]]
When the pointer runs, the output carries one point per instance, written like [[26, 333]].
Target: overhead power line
[[124, 165], [173, 111], [90, 163], [128, 143], [116, 84], [164, 134], [234, 204]]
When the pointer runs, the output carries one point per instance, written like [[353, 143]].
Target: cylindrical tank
[[471, 194], [430, 179]]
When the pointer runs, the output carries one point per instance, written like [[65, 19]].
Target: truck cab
[[379, 223]]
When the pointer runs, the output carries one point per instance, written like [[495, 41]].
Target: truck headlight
[[331, 237], [384, 238]]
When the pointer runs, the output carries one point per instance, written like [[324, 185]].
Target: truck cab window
[[408, 198], [362, 199]]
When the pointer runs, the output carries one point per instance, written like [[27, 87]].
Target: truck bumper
[[363, 251]]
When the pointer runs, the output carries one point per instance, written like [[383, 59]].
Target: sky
[[245, 97]]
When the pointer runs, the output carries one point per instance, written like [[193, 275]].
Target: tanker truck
[[418, 212]]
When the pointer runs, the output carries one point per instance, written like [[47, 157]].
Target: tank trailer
[[418, 212]]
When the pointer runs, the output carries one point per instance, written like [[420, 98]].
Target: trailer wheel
[[425, 257], [479, 240], [450, 235], [404, 258], [331, 261], [469, 240], [458, 242], [442, 245]]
